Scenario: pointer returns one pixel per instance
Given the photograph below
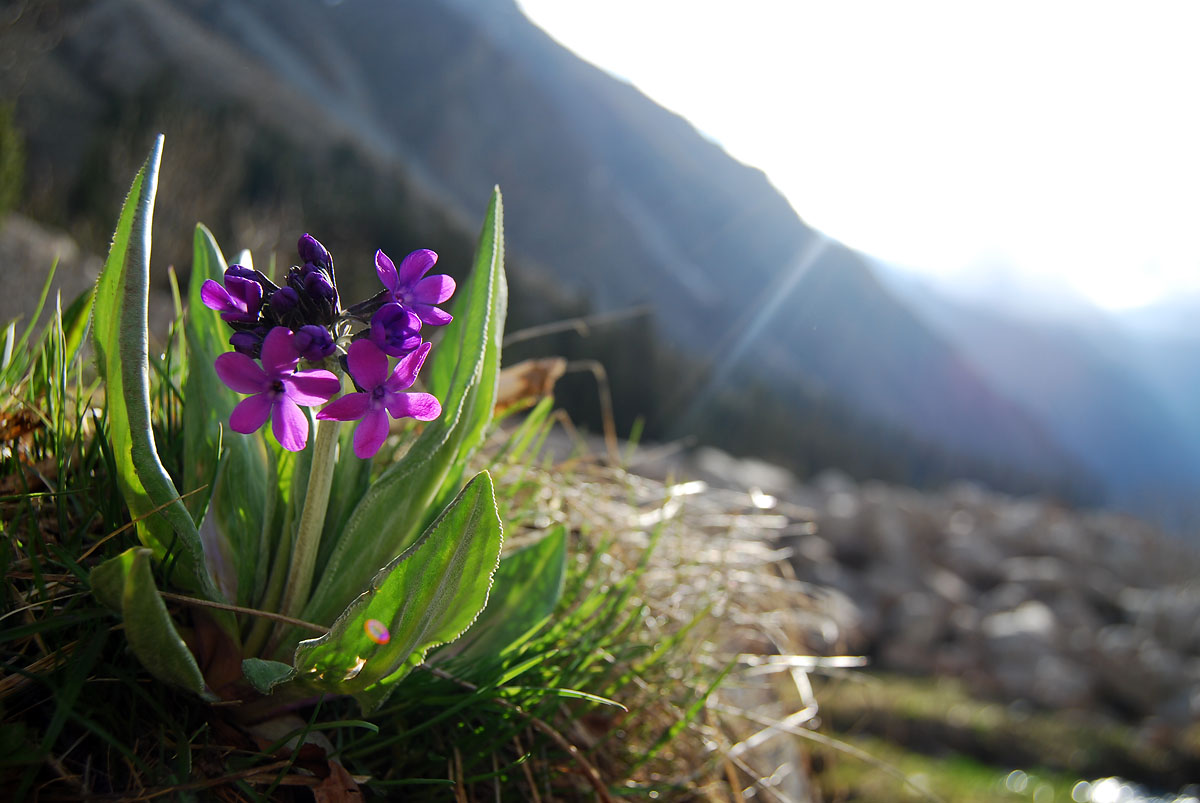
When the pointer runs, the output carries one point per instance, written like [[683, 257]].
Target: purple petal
[[370, 434], [279, 355], [416, 265], [350, 407], [289, 424], [216, 297], [309, 388], [386, 270], [433, 289], [432, 315], [246, 293], [368, 365], [251, 413], [406, 370], [241, 374], [421, 406]]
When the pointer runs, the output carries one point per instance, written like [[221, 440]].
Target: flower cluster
[[276, 327]]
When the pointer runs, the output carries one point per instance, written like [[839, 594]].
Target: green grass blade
[[122, 356], [397, 505], [426, 597]]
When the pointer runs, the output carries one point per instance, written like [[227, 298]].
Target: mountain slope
[[382, 122]]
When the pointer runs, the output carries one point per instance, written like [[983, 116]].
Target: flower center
[[277, 387], [378, 393]]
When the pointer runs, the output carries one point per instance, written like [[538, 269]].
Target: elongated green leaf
[[396, 506], [234, 466], [202, 390], [351, 478], [120, 340], [148, 627], [528, 585], [426, 597]]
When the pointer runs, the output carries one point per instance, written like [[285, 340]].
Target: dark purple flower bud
[[395, 330], [247, 342], [318, 286], [312, 251], [284, 300], [313, 342]]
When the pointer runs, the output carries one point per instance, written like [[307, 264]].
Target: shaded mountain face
[[1120, 398], [379, 123]]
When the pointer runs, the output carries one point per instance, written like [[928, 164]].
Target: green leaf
[[237, 480], [351, 478], [266, 675], [148, 626], [526, 589], [427, 596], [120, 341], [108, 580], [397, 505]]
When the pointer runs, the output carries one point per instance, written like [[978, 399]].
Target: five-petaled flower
[[412, 289], [279, 389], [381, 392]]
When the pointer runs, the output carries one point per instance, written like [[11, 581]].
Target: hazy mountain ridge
[[1125, 401], [384, 122]]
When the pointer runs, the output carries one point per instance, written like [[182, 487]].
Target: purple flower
[[381, 391], [239, 300], [279, 389], [396, 330], [410, 290], [313, 342]]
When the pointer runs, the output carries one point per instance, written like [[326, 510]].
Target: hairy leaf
[[427, 596], [234, 466], [122, 355], [148, 627], [266, 675]]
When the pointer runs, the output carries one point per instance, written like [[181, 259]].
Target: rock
[[1031, 619]]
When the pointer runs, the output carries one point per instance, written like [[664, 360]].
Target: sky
[[1047, 142]]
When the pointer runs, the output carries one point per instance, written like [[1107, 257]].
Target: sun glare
[[1061, 136]]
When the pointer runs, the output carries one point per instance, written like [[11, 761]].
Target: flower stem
[[312, 520]]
